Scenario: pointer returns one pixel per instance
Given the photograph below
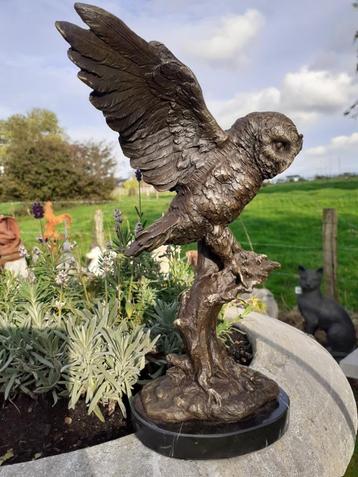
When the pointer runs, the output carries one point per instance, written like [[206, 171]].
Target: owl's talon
[[235, 266], [214, 397]]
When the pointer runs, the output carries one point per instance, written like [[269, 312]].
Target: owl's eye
[[281, 146]]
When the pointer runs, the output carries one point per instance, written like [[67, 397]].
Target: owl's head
[[270, 139]]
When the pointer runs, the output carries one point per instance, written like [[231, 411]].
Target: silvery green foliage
[[9, 288], [90, 354], [32, 347], [105, 357]]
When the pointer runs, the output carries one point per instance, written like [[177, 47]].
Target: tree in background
[[95, 164], [39, 162], [131, 186]]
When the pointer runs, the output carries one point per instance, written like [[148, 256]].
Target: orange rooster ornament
[[52, 221]]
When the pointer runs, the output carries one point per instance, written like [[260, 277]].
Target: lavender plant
[[91, 354]]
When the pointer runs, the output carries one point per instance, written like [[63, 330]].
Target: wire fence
[[298, 247]]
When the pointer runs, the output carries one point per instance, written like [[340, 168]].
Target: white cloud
[[304, 95], [337, 145], [316, 151], [223, 40], [317, 91], [344, 141], [227, 111]]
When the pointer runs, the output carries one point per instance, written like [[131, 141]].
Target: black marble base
[[204, 440]]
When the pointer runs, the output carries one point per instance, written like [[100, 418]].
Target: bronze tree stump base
[[177, 397], [206, 383]]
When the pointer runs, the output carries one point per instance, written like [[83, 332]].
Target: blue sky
[[296, 57]]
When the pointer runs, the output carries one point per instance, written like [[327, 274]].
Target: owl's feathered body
[[195, 212], [206, 207], [156, 105]]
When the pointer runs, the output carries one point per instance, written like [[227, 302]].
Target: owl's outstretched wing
[[148, 96]]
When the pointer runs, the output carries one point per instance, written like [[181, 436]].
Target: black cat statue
[[321, 312]]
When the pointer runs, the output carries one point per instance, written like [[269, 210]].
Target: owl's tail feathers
[[154, 236]]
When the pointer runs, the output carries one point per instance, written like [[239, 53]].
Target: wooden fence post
[[98, 229], [330, 252]]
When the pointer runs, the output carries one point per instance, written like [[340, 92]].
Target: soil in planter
[[31, 429]]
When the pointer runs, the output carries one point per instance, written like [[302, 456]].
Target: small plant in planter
[[105, 357], [86, 354]]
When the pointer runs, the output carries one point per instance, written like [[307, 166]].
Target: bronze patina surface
[[156, 105]]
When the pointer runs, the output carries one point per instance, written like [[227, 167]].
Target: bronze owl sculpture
[[156, 105]]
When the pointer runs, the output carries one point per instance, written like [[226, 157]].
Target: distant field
[[284, 221]]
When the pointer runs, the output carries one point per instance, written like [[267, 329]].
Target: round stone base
[[213, 440]]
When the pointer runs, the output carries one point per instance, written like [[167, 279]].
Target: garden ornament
[[94, 256], [161, 257], [156, 105], [324, 313], [192, 258], [52, 221], [9, 240], [12, 252]]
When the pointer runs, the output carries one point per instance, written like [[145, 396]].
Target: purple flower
[[118, 216], [138, 175], [62, 278], [37, 210], [118, 219]]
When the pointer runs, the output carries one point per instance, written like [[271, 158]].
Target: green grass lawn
[[284, 221]]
